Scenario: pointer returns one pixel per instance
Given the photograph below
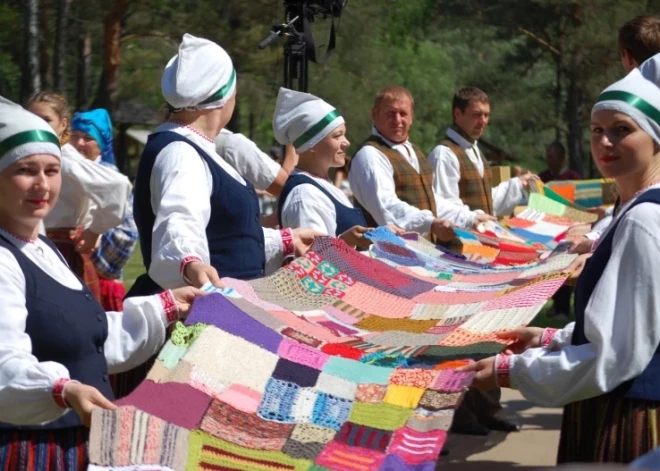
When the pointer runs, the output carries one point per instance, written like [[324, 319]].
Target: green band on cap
[[220, 94], [317, 128], [634, 101], [27, 137]]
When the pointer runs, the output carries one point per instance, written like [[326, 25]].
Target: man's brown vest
[[414, 188], [474, 191]]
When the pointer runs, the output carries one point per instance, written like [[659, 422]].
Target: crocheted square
[[310, 433], [336, 386], [171, 354], [357, 372], [370, 393], [403, 396], [340, 456], [302, 354], [242, 398], [331, 411], [423, 420], [248, 430], [120, 438], [215, 309], [303, 406], [278, 400], [291, 372], [307, 451], [228, 363], [452, 381], [365, 437], [417, 447], [381, 416], [435, 400], [178, 404], [207, 452]]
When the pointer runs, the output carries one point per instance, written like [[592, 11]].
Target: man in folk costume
[[393, 182], [460, 169]]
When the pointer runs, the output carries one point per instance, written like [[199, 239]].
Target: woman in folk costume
[[92, 135], [605, 367], [93, 199], [196, 215], [309, 199], [57, 344]]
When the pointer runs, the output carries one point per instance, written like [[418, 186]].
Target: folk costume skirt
[[44, 450], [79, 263], [609, 429]]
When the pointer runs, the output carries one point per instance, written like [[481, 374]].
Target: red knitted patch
[[341, 350]]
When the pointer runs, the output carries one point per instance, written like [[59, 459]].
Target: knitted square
[[435, 400], [302, 354], [241, 397], [278, 401], [336, 386], [365, 437], [404, 396], [291, 372], [423, 420], [380, 415], [370, 393], [341, 456], [416, 447]]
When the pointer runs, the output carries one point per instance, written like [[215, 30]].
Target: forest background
[[541, 62]]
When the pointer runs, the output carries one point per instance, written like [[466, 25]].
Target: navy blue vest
[[646, 385], [346, 217], [234, 233], [66, 326]]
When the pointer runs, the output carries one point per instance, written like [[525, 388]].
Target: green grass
[[133, 268], [543, 320]]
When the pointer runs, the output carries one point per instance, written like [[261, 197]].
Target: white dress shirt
[[245, 156], [92, 196], [447, 173], [372, 181], [621, 322], [134, 336], [181, 186], [307, 206]]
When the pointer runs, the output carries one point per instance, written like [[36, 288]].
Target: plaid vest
[[474, 191], [414, 188]]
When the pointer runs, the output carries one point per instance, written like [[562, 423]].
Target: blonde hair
[[394, 92], [60, 106]]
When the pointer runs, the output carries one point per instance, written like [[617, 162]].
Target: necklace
[[190, 128], [32, 242], [622, 202]]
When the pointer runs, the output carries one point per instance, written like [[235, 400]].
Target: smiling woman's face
[[29, 188], [619, 146]]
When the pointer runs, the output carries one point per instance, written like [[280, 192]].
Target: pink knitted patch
[[417, 447], [242, 398], [302, 354]]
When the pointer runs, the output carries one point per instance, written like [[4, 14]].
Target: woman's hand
[[354, 237], [485, 378], [184, 298], [580, 245], [303, 238], [575, 268], [396, 229], [443, 230], [198, 273], [83, 399], [85, 241], [524, 338]]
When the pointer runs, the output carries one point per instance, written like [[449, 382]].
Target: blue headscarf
[[98, 125]]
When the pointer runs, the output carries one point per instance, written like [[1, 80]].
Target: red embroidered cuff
[[58, 393], [548, 335], [502, 370], [186, 261], [287, 242], [169, 306]]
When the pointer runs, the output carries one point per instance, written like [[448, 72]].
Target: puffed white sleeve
[[621, 323], [245, 156], [506, 196], [26, 384], [138, 333], [181, 188], [307, 206], [107, 189], [446, 174], [372, 182]]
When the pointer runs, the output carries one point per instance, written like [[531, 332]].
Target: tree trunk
[[107, 94], [45, 52], [59, 57], [234, 124], [31, 71], [574, 139], [83, 70]]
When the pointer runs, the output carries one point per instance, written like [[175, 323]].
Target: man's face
[[554, 159], [474, 119], [393, 118]]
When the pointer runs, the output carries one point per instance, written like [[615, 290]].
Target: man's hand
[[485, 378], [354, 237], [443, 230], [528, 179], [85, 241], [184, 298], [303, 238], [524, 338], [199, 273], [83, 399]]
